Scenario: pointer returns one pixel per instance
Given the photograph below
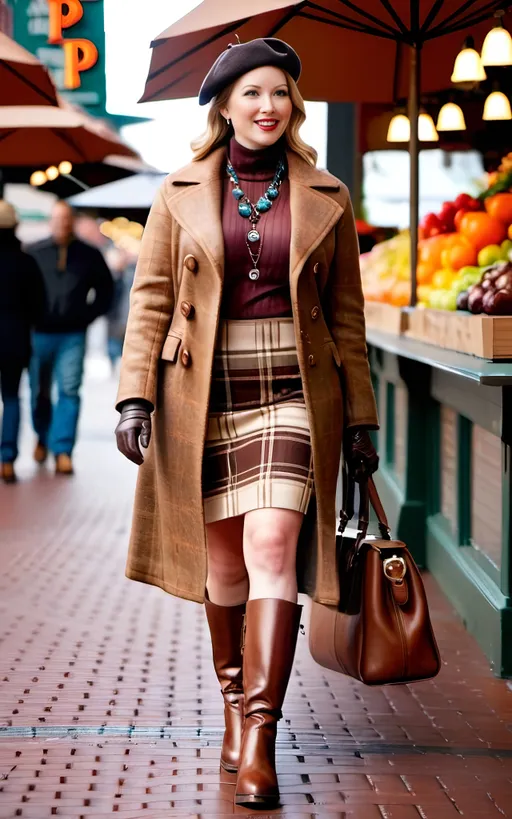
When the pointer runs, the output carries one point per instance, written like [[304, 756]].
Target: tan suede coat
[[168, 355]]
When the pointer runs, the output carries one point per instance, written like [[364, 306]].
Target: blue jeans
[[10, 378], [59, 357]]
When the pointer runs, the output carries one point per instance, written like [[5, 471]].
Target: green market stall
[[446, 447]]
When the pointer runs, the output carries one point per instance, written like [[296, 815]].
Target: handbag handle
[[367, 495]]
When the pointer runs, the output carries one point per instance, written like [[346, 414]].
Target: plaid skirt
[[258, 448]]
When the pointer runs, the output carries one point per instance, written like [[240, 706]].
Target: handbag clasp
[[394, 569]]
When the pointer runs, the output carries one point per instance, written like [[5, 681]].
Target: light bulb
[[497, 47], [399, 129], [52, 173], [451, 118], [497, 107], [65, 167], [38, 178], [426, 129], [468, 65]]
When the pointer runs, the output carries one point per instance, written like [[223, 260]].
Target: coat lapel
[[197, 206], [313, 212]]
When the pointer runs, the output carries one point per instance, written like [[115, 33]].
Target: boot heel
[[265, 802]]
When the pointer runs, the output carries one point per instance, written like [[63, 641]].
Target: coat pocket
[[170, 349], [335, 353]]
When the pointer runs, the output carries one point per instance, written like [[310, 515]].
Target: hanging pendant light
[[426, 129], [65, 167], [399, 129], [38, 178], [497, 107], [497, 47], [468, 65], [451, 118]]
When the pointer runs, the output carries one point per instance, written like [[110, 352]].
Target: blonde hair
[[218, 132]]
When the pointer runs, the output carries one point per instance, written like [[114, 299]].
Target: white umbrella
[[135, 192]]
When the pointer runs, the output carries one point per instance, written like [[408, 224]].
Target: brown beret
[[240, 58]]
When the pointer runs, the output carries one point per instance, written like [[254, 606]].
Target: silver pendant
[[253, 236], [254, 274]]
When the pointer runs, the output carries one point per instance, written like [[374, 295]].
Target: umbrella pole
[[77, 182], [414, 105]]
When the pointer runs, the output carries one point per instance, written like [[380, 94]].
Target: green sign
[[31, 26]]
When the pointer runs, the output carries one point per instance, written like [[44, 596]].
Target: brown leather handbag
[[381, 632]]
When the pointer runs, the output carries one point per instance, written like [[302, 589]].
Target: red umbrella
[[45, 135], [23, 79]]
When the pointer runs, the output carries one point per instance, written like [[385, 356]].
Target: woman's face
[[259, 107]]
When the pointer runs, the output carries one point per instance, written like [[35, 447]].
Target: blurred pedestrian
[[78, 288], [246, 337], [21, 304], [123, 270]]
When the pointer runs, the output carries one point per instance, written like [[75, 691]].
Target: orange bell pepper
[[499, 207], [481, 230]]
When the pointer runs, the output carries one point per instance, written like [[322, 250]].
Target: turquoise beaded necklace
[[253, 212]]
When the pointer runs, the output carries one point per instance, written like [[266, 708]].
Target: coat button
[[191, 263], [316, 268], [312, 361], [315, 313], [186, 358], [187, 309]]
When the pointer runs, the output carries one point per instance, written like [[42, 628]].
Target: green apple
[[448, 300], [434, 299], [470, 275], [506, 250], [458, 285], [490, 254]]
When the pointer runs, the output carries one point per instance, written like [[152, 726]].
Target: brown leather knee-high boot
[[270, 639], [226, 624]]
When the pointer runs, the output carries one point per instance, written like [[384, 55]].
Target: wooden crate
[[483, 336], [385, 317]]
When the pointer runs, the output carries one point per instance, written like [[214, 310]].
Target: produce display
[[464, 255]]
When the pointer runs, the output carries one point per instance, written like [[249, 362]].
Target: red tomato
[[447, 214], [462, 200]]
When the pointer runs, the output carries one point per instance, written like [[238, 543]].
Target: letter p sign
[[62, 14], [79, 55]]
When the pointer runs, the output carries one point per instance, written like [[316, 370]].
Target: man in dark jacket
[[78, 289], [21, 303]]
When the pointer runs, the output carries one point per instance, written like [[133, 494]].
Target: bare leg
[[227, 583], [270, 549]]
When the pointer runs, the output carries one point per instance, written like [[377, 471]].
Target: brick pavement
[[109, 704]]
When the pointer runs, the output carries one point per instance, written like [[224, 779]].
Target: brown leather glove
[[360, 454], [134, 424]]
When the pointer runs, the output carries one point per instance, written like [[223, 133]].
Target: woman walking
[[246, 340], [22, 301]]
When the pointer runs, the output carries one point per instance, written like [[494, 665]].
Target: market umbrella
[[84, 176], [350, 52], [44, 135], [23, 79], [134, 192], [131, 197], [340, 61]]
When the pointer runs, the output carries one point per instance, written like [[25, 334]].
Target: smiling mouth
[[267, 123]]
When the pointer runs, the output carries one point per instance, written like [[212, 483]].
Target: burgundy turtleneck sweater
[[269, 296]]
